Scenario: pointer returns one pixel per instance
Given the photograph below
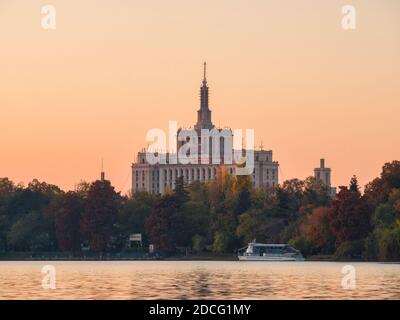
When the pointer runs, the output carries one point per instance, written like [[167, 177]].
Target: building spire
[[204, 113], [204, 90]]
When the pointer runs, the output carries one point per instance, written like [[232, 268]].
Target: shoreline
[[53, 256], [176, 260]]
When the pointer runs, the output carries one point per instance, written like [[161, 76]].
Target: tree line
[[217, 217]]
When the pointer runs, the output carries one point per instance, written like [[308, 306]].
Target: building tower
[[324, 175], [204, 113]]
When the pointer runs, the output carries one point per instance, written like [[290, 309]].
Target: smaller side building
[[323, 174]]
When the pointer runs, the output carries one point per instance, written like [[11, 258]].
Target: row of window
[[170, 174]]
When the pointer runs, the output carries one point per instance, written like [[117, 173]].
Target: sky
[[112, 70]]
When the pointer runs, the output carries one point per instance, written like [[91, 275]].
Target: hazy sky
[[114, 69]]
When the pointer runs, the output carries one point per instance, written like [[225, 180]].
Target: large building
[[159, 177]]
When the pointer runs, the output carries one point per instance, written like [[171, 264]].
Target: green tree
[[379, 189], [30, 205], [243, 188], [290, 194], [199, 243], [162, 226], [133, 213], [349, 216], [384, 215], [222, 241], [180, 190], [195, 217], [7, 191], [27, 234], [68, 210], [302, 244], [354, 184], [317, 231], [389, 243], [350, 249], [248, 228], [223, 227], [99, 216], [315, 194]]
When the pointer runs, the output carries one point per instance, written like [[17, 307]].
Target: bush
[[389, 244], [350, 250], [199, 243], [302, 244], [370, 247]]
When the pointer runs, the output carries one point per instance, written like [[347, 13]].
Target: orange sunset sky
[[114, 69]]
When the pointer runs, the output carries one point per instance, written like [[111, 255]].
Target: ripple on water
[[198, 280]]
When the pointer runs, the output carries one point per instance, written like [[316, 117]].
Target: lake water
[[197, 280]]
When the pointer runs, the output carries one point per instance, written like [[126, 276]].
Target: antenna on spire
[[205, 70], [261, 145], [102, 175]]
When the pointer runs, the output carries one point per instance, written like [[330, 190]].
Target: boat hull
[[269, 258]]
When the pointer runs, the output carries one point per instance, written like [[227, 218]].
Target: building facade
[[159, 177]]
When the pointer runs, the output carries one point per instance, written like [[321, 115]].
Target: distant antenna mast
[[102, 176]]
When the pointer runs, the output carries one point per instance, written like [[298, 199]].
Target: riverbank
[[127, 256], [28, 256]]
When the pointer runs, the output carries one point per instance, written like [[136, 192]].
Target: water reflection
[[198, 280]]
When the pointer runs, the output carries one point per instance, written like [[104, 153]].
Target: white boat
[[269, 252]]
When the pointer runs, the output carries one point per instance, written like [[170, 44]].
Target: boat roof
[[269, 244]]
